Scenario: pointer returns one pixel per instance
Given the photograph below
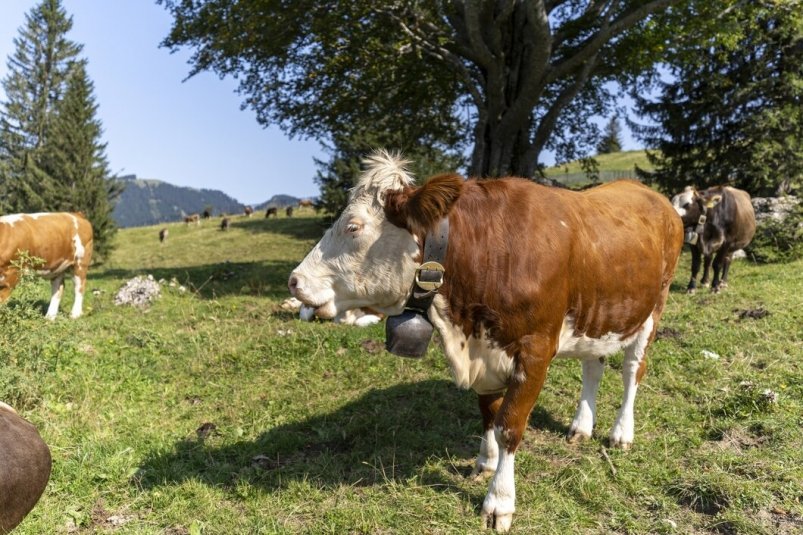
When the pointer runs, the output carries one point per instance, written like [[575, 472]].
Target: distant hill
[[149, 202], [279, 201], [611, 166]]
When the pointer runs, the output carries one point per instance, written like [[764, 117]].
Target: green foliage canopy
[[521, 77]]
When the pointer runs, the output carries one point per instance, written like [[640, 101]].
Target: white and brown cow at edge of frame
[[730, 223], [61, 240], [532, 273]]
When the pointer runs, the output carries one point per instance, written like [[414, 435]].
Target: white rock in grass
[[709, 354]]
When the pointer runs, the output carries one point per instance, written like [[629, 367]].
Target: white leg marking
[[583, 423], [77, 307], [500, 502], [623, 428], [488, 458], [56, 291]]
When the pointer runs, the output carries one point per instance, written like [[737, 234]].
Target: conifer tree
[[34, 85], [75, 159], [612, 137]]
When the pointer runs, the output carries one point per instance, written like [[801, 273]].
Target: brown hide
[[48, 237], [24, 468], [523, 256]]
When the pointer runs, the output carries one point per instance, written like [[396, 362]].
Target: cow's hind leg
[[82, 261], [721, 259], [633, 368], [56, 293], [583, 423], [488, 458]]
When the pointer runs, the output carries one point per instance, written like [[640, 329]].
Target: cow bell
[[691, 237], [408, 334]]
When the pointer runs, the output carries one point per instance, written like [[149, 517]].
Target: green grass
[[314, 430], [611, 166]]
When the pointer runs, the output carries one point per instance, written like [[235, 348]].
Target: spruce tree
[[732, 113], [75, 159], [34, 85], [612, 137]]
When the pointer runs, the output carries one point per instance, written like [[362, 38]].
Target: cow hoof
[[621, 444], [497, 522], [691, 291], [575, 436]]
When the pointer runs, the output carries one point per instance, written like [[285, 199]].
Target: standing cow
[[530, 273], [25, 465], [718, 222], [272, 211], [61, 240]]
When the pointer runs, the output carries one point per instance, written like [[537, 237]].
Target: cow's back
[[58, 238], [25, 465], [738, 218], [533, 254]]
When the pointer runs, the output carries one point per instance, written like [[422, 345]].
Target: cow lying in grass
[[531, 273], [24, 467], [60, 240]]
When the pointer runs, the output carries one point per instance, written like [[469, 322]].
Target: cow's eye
[[353, 228], [686, 205]]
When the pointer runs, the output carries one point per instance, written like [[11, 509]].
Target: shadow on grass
[[211, 281], [387, 434]]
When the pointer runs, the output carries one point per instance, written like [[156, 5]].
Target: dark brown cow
[[248, 211], [718, 222], [289, 211], [163, 235], [25, 465], [61, 240], [207, 214], [272, 211], [224, 223], [531, 273]]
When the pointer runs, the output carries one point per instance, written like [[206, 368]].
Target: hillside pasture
[[215, 412]]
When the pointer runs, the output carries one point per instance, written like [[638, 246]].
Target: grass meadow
[[215, 412]]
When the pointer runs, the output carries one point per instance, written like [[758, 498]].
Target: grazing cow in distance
[[718, 221], [305, 203], [530, 273], [207, 214], [272, 211], [162, 235], [289, 211], [194, 218], [248, 211], [25, 465], [60, 240], [224, 223]]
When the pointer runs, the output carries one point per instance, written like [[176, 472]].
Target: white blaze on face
[[362, 260], [682, 200]]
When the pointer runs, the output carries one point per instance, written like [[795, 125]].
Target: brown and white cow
[[25, 465], [532, 273], [61, 240], [194, 218], [718, 222]]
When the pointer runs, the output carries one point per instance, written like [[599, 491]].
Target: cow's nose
[[292, 284]]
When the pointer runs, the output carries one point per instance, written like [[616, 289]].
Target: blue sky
[[190, 133]]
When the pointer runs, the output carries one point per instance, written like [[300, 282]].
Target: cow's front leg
[[583, 423], [706, 267], [528, 377], [56, 292], [696, 259], [488, 458]]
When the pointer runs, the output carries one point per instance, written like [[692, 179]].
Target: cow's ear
[[712, 201], [419, 209]]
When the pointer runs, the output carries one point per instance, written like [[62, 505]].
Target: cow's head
[[369, 256], [690, 204]]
